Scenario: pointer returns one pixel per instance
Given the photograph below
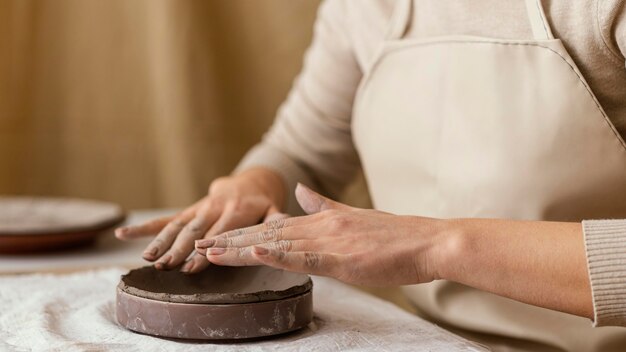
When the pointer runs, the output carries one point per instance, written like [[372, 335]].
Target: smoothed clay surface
[[215, 285]]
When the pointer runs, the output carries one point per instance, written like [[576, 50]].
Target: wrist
[[452, 249]]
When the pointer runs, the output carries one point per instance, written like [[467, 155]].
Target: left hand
[[358, 246]]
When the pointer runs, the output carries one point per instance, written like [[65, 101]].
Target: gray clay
[[215, 285]]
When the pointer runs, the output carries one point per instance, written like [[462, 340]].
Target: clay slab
[[216, 304], [216, 284]]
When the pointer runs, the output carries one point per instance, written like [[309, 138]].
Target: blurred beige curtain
[[141, 102]]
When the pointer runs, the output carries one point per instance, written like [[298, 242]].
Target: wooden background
[[140, 102]]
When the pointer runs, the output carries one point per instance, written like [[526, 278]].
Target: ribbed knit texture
[[605, 241]]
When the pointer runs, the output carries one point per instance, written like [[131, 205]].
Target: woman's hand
[[536, 262], [359, 246], [232, 202]]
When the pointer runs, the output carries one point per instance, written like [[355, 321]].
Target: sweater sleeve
[[310, 140], [605, 243], [605, 240]]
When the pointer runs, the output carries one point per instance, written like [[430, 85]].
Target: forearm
[[535, 262]]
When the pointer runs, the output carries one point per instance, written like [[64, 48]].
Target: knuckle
[[235, 204], [276, 224], [312, 260], [194, 229], [283, 246], [339, 221], [235, 233], [277, 234], [271, 235], [217, 184], [176, 252], [229, 241], [281, 256], [242, 252], [264, 237], [226, 239]]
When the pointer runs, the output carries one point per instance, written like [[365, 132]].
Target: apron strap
[[403, 11], [538, 22]]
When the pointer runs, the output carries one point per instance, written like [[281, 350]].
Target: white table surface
[[32, 318]]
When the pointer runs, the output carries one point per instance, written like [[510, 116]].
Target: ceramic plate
[[34, 224]]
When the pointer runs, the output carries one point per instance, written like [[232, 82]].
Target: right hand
[[253, 196]]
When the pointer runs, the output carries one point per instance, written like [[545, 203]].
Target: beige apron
[[463, 126]]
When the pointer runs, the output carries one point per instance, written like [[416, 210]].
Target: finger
[[231, 256], [183, 243], [273, 213], [195, 264], [271, 226], [164, 240], [149, 228], [274, 216], [153, 227], [243, 256], [233, 219], [272, 235], [302, 262], [313, 202], [291, 246], [228, 221]]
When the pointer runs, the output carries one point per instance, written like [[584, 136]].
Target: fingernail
[[206, 243], [260, 250], [121, 231], [150, 252], [162, 263], [215, 251]]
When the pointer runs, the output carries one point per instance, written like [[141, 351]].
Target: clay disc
[[216, 284], [30, 224], [221, 303]]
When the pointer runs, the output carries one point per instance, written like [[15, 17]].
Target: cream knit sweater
[[311, 141]]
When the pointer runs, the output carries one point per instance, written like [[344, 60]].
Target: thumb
[[313, 202]]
